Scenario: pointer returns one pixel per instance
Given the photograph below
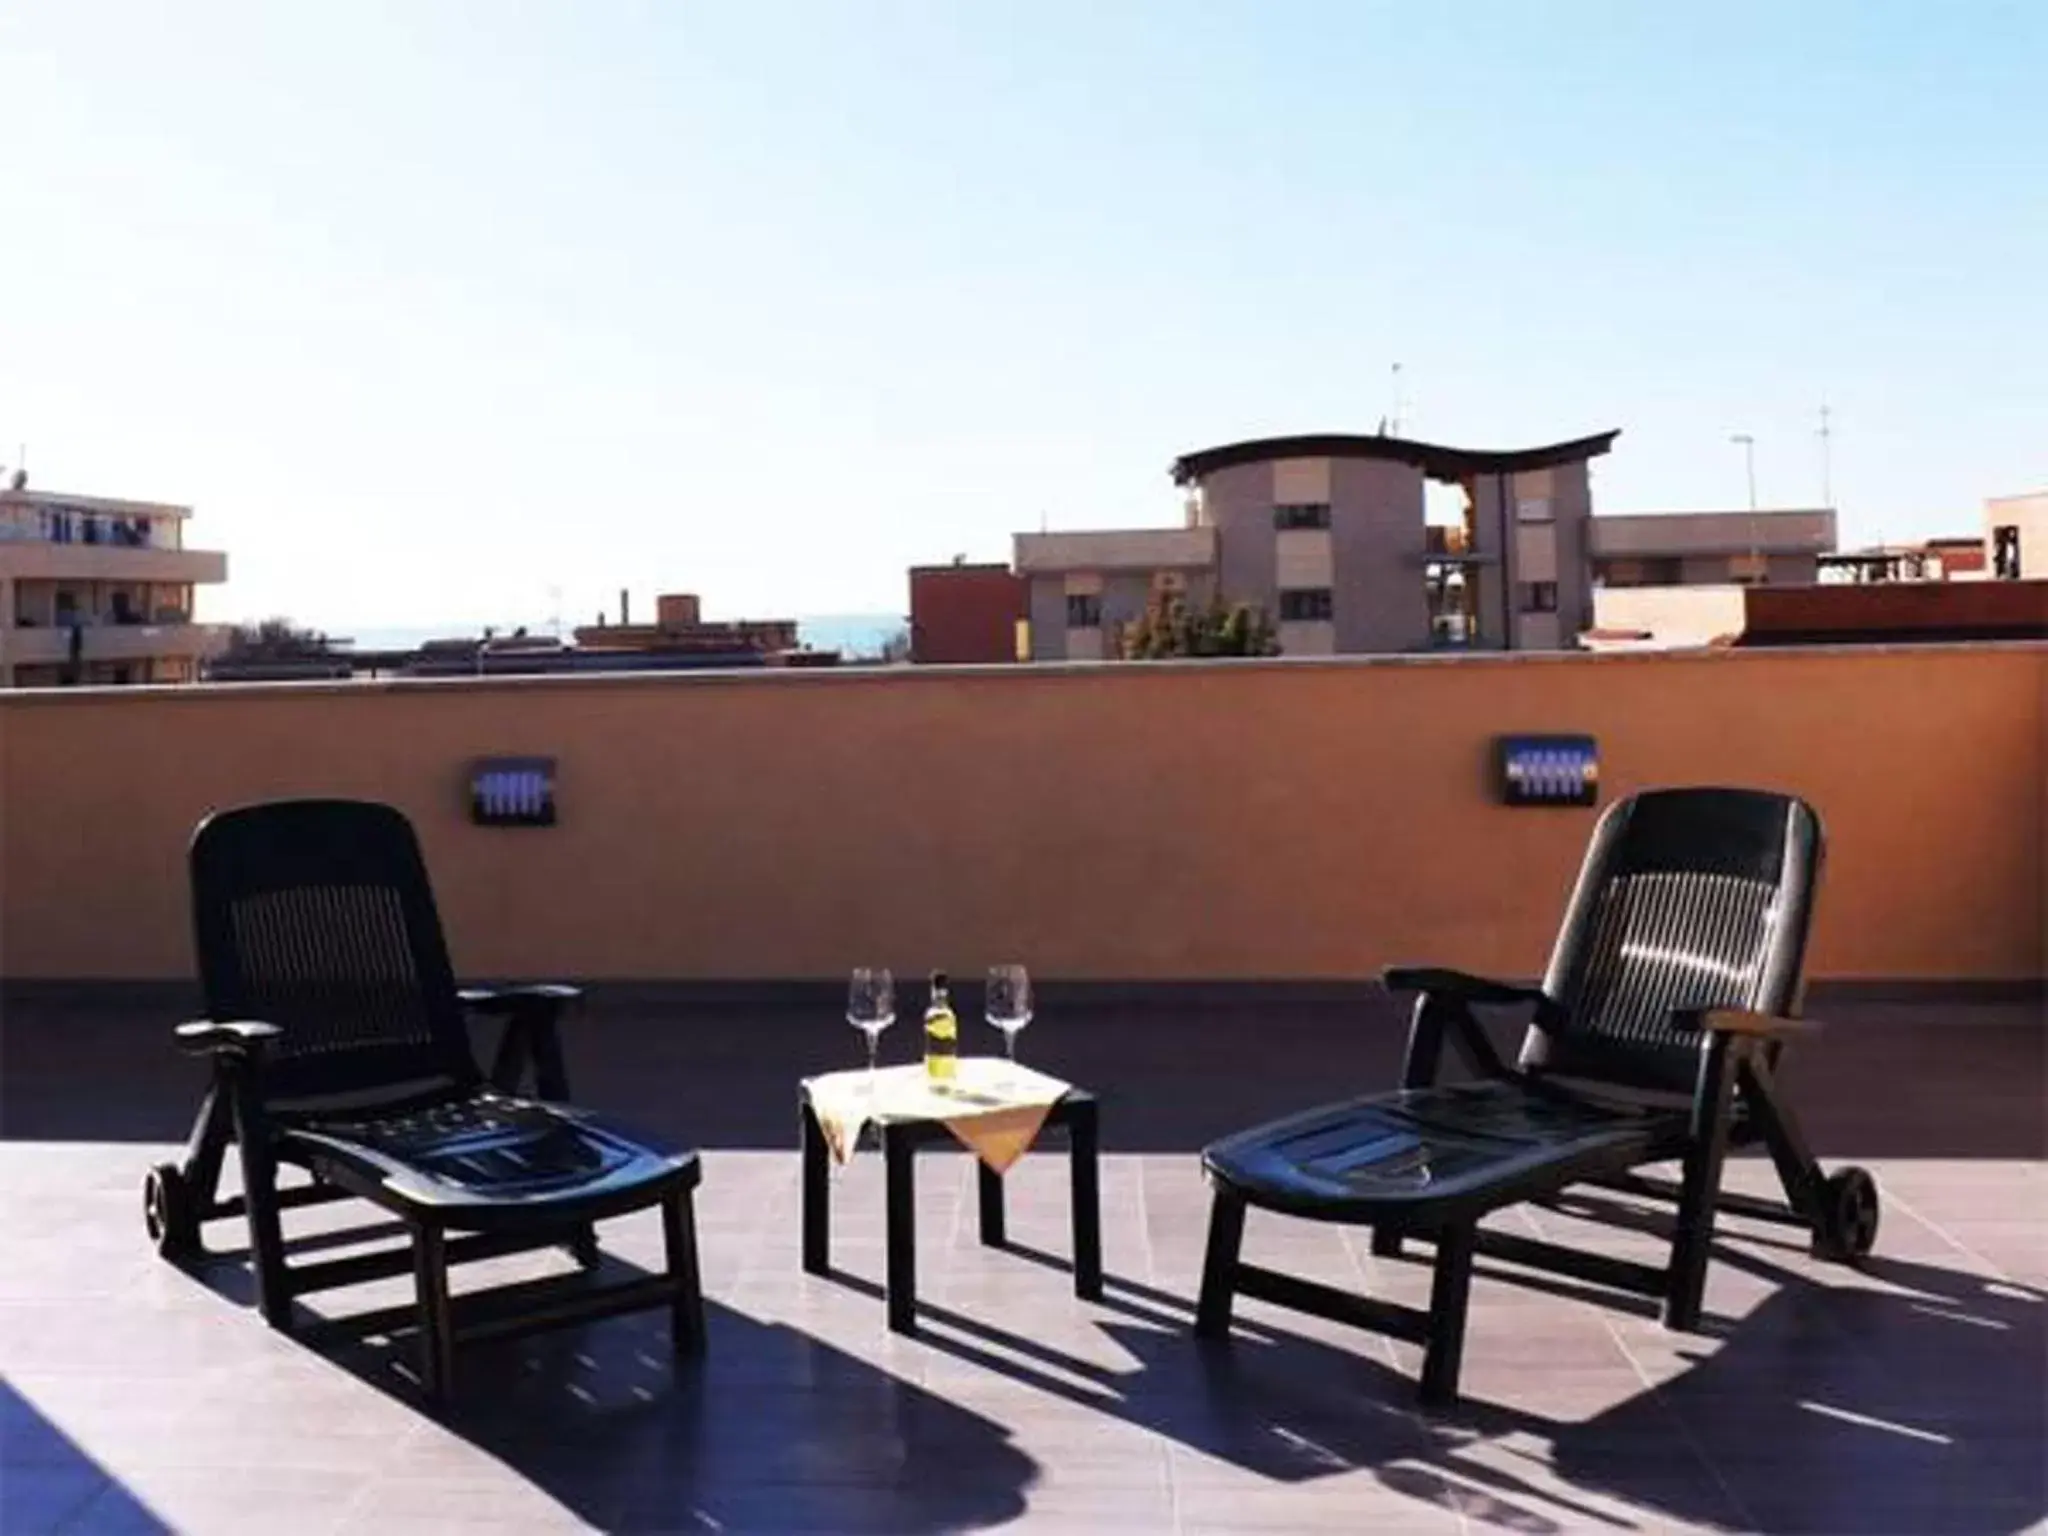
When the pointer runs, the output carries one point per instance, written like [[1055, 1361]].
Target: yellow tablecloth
[[996, 1109]]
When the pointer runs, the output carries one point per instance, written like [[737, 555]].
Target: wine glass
[[871, 1008], [1009, 1004]]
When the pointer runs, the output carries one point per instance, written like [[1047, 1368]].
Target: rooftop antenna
[[1827, 465], [1395, 428]]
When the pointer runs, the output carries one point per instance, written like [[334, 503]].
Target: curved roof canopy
[[1434, 460]]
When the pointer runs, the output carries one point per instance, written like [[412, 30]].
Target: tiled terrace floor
[[1905, 1399]]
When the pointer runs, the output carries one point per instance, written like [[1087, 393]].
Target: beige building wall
[[1535, 491], [1535, 552], [1238, 502], [1676, 615], [1308, 638], [1781, 531], [1046, 617], [2029, 514], [1298, 482], [1115, 549], [1377, 537], [1043, 817], [1302, 558]]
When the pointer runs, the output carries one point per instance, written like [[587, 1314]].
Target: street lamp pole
[[1749, 465], [1749, 462]]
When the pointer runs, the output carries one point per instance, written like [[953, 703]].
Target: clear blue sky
[[430, 308]]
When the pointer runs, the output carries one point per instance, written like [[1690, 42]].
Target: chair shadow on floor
[[48, 1482], [1830, 1407], [770, 1430], [1921, 1400]]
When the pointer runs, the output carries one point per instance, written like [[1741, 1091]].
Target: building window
[[1648, 571], [1302, 514], [1305, 605], [1537, 596], [1084, 610]]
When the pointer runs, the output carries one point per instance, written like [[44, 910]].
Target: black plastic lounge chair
[[1675, 980], [340, 1044]]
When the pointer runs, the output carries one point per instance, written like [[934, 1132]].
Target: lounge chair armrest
[[1447, 998], [528, 998], [530, 1040], [229, 1037], [1458, 986], [1743, 1022]]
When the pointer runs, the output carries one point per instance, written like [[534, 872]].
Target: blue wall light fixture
[[1548, 770], [512, 792]]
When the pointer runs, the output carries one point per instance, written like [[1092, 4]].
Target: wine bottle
[[941, 1035]]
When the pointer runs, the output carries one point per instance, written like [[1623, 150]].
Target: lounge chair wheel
[[167, 1208], [1849, 1216]]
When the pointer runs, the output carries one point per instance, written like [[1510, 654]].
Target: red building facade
[[964, 613]]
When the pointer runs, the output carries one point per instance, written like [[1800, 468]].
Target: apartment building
[[1679, 578], [1330, 535], [680, 629], [1770, 546], [1936, 559], [96, 591]]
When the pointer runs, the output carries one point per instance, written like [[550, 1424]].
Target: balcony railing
[[53, 560], [108, 640]]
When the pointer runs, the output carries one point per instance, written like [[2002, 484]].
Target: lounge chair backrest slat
[[1688, 898], [317, 916]]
